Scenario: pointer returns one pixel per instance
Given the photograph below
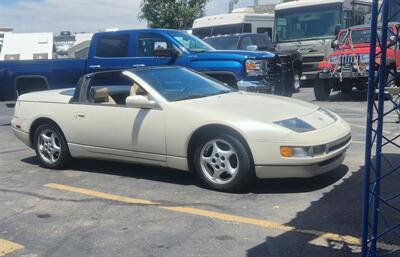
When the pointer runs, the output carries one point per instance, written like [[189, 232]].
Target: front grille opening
[[329, 161], [339, 145]]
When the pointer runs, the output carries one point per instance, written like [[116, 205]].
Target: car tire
[[322, 89], [51, 147], [223, 163]]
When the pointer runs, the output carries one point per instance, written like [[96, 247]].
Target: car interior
[[115, 95]]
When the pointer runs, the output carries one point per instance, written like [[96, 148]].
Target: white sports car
[[174, 117]]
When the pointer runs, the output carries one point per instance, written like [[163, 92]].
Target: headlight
[[328, 113], [295, 124], [364, 58], [333, 59], [254, 67]]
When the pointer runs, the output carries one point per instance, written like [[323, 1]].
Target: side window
[[262, 30], [112, 46], [246, 28], [109, 88], [245, 42], [260, 42], [148, 42]]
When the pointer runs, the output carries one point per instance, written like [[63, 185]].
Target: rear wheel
[[51, 147], [222, 162], [322, 89]]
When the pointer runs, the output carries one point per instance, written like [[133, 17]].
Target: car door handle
[[138, 65], [96, 66], [79, 115]]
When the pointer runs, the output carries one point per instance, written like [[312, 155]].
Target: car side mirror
[[338, 28], [140, 101], [334, 44], [166, 52], [252, 47]]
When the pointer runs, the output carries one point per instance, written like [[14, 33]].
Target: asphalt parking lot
[[112, 209]]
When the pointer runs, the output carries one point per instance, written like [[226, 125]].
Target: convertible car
[[175, 117]]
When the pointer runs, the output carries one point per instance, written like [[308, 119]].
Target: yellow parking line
[[7, 247], [357, 142], [98, 194], [347, 239]]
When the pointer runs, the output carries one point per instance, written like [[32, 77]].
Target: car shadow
[[172, 176], [337, 212]]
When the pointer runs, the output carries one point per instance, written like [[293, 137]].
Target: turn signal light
[[286, 151]]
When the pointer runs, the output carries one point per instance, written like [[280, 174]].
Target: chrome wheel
[[49, 146], [296, 82], [219, 161]]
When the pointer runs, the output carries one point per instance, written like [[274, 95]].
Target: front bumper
[[23, 136], [300, 171], [346, 74], [258, 86]]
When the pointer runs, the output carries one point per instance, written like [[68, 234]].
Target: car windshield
[[307, 22], [176, 83], [189, 42], [225, 42], [361, 36]]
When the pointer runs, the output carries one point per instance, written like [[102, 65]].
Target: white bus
[[233, 23]]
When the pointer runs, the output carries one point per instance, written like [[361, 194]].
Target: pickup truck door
[[123, 50], [146, 43], [111, 51]]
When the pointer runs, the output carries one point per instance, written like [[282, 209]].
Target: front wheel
[[223, 163], [51, 147], [296, 81], [322, 89]]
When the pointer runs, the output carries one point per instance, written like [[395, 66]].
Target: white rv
[[309, 26], [27, 46], [239, 21]]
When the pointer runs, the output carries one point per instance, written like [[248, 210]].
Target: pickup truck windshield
[[190, 43], [223, 43], [176, 83], [304, 23], [362, 36]]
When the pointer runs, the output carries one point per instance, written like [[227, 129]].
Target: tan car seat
[[100, 95], [137, 90]]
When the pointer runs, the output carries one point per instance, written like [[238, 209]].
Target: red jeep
[[347, 66]]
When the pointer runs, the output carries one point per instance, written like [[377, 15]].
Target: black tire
[[296, 81], [63, 158], [245, 166], [322, 89]]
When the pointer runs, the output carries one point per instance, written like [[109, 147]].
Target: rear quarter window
[[113, 46]]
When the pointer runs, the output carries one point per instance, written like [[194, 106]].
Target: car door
[[108, 127], [113, 51], [146, 44]]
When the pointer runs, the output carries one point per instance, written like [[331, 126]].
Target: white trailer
[[27, 46], [239, 21]]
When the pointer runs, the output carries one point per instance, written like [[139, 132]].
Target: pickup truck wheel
[[322, 89], [222, 162], [296, 81], [51, 147]]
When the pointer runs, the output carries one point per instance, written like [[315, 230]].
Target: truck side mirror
[[334, 44], [166, 52], [252, 47], [338, 28]]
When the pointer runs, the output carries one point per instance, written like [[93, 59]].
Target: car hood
[[252, 107]]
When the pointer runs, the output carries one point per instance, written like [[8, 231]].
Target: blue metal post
[[383, 71], [368, 137]]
